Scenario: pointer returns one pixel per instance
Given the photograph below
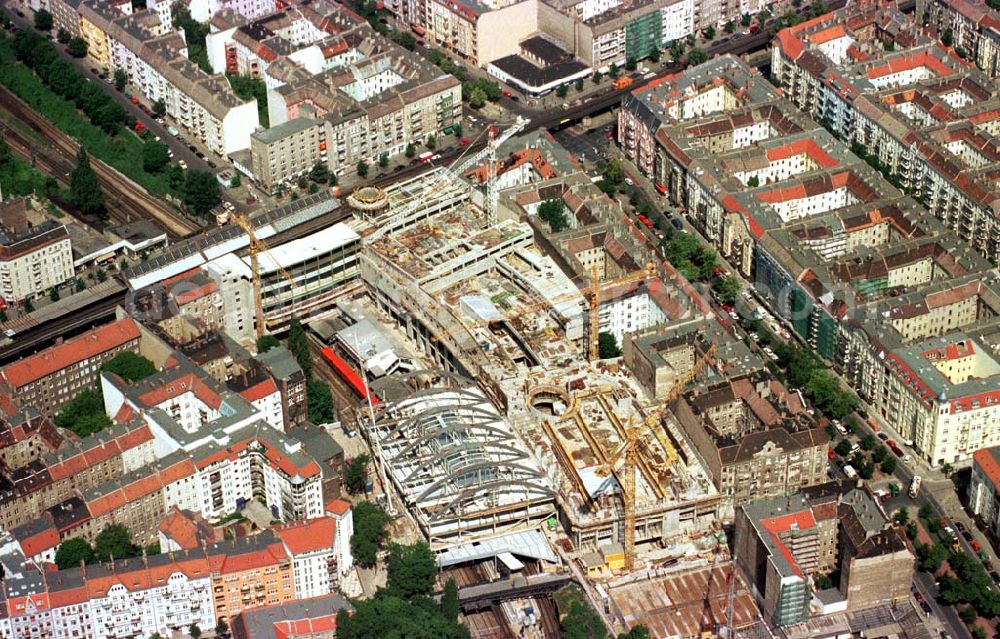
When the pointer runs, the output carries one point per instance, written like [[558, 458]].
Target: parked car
[[883, 436]]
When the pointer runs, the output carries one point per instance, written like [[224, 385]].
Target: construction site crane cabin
[[483, 301]]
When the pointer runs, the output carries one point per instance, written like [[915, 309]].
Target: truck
[[623, 82], [914, 487]]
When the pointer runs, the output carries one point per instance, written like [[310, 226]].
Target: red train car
[[348, 375]]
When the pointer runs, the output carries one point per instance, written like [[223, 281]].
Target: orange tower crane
[[258, 246], [593, 294], [633, 452]]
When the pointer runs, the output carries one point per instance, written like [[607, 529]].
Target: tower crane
[[453, 173], [257, 246], [593, 294], [634, 451]]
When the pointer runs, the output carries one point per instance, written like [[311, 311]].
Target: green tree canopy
[[727, 288], [43, 20], [637, 632], [696, 56], [583, 622], [449, 600], [84, 187], [201, 191], [412, 570], [320, 402], [369, 532], [77, 47], [356, 474], [72, 551], [607, 346], [114, 541], [553, 213], [266, 343], [84, 414], [320, 173], [155, 156], [299, 345], [386, 615], [120, 79], [129, 366]]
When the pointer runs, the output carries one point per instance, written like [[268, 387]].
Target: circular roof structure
[[368, 198]]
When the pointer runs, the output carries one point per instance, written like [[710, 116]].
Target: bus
[[914, 487]]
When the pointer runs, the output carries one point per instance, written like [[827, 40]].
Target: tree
[[120, 79], [449, 600], [753, 182], [879, 454], [362, 169], [320, 173], [386, 615], [155, 156], [947, 37], [902, 516], [85, 190], [607, 346], [582, 622], [159, 108], [356, 475], [843, 448], [77, 47], [369, 532], [888, 466], [266, 343], [299, 345], [867, 442], [43, 20], [476, 98], [115, 542], [553, 213], [383, 160], [597, 77], [925, 511], [968, 614], [320, 402], [72, 551], [654, 55], [221, 628], [129, 366], [613, 70], [54, 294], [631, 64], [562, 90], [63, 36], [613, 172], [729, 27], [727, 288], [696, 56], [202, 192], [637, 632], [412, 570], [28, 306], [194, 631], [578, 85], [410, 150], [235, 181], [746, 19], [84, 414], [763, 16], [708, 33], [431, 142]]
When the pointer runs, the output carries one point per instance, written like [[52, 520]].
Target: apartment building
[[974, 28], [291, 382], [314, 618], [243, 458], [33, 258], [289, 150], [49, 379], [782, 544], [154, 59], [76, 465], [172, 590], [984, 487], [757, 439], [925, 115]]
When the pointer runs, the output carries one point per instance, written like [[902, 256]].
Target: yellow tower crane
[[593, 294], [258, 246], [633, 452]]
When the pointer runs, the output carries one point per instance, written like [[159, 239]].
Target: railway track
[[124, 196]]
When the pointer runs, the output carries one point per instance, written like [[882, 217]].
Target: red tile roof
[[99, 452], [299, 627], [40, 541], [308, 535], [52, 360], [187, 529], [142, 487], [338, 507], [174, 388], [985, 459], [260, 390]]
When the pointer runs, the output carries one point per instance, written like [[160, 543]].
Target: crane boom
[[594, 298], [258, 245]]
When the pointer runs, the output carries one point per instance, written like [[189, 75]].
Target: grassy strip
[[123, 152]]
